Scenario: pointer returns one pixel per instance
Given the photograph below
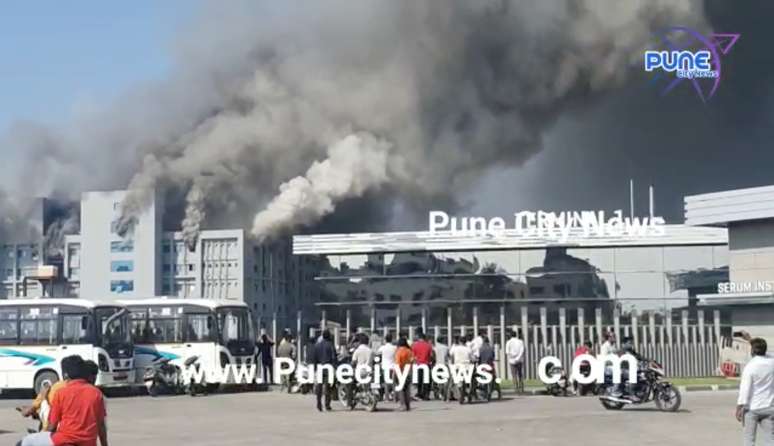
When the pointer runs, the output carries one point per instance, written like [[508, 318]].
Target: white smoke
[[354, 165]]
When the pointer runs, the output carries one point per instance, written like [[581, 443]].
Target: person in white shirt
[[608, 347], [441, 351], [476, 343], [514, 351], [755, 405], [387, 354], [461, 356]]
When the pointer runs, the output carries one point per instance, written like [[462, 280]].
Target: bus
[[219, 333], [35, 334]]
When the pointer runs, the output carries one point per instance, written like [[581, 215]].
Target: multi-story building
[[99, 263]]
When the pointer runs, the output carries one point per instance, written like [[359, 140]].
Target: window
[[121, 286], [122, 266], [38, 326], [536, 290], [199, 328], [122, 246], [9, 328], [165, 248], [190, 267], [165, 325], [76, 329], [165, 268]]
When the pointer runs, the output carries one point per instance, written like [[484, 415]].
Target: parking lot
[[274, 418]]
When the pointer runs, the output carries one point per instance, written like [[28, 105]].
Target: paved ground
[[272, 418]]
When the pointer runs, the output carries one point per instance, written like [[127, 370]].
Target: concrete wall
[[751, 251], [99, 212]]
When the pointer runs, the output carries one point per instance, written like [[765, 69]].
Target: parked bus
[[219, 333], [35, 334]]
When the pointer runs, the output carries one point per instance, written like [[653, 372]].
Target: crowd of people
[[71, 411], [400, 354]]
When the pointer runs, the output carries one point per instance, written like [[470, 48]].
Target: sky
[[59, 56]]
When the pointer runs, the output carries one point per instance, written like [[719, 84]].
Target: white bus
[[219, 333], [35, 334]]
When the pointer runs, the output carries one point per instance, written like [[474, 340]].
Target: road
[[273, 418]]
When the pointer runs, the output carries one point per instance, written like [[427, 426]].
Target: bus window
[[165, 325], [38, 326], [9, 330], [139, 325], [199, 328], [76, 329]]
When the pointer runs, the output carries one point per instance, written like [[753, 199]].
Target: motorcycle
[[560, 387], [164, 377], [649, 387], [364, 394]]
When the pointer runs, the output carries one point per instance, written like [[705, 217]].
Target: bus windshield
[[235, 325], [113, 323]]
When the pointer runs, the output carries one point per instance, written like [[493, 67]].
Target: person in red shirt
[[77, 414], [423, 355], [585, 368]]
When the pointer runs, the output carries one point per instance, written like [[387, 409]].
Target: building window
[[165, 248], [122, 266], [121, 286], [190, 267], [122, 246], [165, 268]]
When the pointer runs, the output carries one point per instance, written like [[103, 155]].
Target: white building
[[223, 264], [748, 214]]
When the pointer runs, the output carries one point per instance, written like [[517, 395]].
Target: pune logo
[[689, 56]]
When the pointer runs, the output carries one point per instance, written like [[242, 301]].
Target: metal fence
[[690, 348]]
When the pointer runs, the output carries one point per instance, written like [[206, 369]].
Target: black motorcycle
[[165, 378], [649, 387]]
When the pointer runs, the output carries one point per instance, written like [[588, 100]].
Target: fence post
[[298, 336], [716, 323], [348, 325], [581, 327], [544, 326], [475, 321], [562, 325], [598, 317], [449, 334], [397, 324], [617, 326], [373, 320], [424, 321], [503, 369], [635, 331], [323, 320]]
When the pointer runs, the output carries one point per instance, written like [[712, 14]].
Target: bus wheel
[[45, 378]]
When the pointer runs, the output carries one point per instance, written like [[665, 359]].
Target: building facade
[[747, 297], [98, 263], [414, 279]]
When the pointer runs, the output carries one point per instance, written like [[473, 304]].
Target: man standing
[[324, 353], [286, 349], [514, 351], [608, 347], [387, 354], [423, 352], [462, 358], [77, 411], [755, 405], [403, 360]]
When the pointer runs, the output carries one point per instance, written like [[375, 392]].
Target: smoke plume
[[278, 111]]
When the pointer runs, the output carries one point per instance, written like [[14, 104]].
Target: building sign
[[556, 226], [759, 286]]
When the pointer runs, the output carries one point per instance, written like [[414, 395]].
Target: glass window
[[122, 246], [76, 329], [199, 328], [122, 266], [38, 326], [165, 325], [121, 286], [138, 325], [9, 330]]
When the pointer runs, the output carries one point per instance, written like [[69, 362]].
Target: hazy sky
[[59, 56]]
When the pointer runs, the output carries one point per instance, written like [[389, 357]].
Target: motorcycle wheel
[[372, 401], [341, 393], [668, 399], [611, 405]]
